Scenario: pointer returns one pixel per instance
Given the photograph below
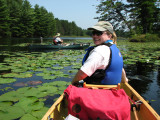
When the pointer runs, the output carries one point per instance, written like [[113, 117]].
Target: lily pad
[[10, 75], [4, 104], [29, 104], [10, 113], [10, 96], [40, 113], [28, 117], [6, 80]]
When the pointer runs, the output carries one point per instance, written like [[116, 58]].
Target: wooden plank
[[101, 86]]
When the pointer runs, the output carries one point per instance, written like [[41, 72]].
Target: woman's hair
[[114, 37]]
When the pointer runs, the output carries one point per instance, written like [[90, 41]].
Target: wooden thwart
[[102, 86]]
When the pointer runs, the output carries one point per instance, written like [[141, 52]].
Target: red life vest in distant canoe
[[54, 41], [97, 104]]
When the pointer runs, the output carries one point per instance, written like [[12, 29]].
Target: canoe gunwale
[[52, 108], [144, 104]]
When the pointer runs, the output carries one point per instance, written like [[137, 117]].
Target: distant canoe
[[51, 46]]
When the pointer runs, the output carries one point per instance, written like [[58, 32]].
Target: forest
[[131, 17], [19, 19]]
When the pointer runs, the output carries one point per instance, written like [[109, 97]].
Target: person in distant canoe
[[57, 40], [103, 63]]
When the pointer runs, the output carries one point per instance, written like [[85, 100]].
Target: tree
[[14, 7], [44, 22], [136, 16], [145, 14], [26, 26], [4, 18]]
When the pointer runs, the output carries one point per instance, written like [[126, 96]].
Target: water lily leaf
[[10, 96], [23, 90], [59, 83], [10, 75], [24, 75], [4, 104], [57, 68], [49, 77], [10, 113], [4, 67], [62, 88], [48, 89], [29, 104], [72, 71], [6, 80], [40, 69], [40, 113], [32, 92], [28, 117]]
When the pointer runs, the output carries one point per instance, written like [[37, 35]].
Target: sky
[[82, 12]]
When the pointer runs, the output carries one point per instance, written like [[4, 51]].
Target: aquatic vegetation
[[27, 101], [52, 73], [7, 80], [140, 52]]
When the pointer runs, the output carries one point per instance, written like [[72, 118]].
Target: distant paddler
[[57, 40]]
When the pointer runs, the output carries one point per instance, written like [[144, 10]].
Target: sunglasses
[[98, 33]]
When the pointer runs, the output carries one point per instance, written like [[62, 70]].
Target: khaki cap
[[102, 26], [58, 34]]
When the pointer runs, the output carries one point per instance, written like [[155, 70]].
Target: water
[[144, 78]]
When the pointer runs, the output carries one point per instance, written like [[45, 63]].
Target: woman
[[102, 64]]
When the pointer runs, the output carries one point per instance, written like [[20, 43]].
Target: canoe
[[51, 46], [58, 110]]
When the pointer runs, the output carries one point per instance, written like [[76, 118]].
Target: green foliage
[[19, 19], [4, 18], [145, 38], [26, 25], [152, 37], [135, 16], [138, 38], [68, 28]]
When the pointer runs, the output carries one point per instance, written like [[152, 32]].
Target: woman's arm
[[79, 76], [124, 78]]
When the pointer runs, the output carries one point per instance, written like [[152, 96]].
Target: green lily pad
[[10, 113], [4, 104], [49, 77], [10, 75], [7, 80], [10, 96], [40, 113], [28, 117], [29, 104]]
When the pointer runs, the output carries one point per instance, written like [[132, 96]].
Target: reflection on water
[[145, 79]]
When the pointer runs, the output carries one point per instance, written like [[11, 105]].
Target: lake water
[[144, 78]]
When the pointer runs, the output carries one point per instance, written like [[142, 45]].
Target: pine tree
[[4, 19]]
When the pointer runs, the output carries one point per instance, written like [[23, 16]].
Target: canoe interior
[[59, 110]]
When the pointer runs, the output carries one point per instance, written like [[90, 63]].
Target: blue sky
[[82, 12]]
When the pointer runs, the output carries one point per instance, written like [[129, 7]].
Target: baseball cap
[[102, 26], [58, 34]]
